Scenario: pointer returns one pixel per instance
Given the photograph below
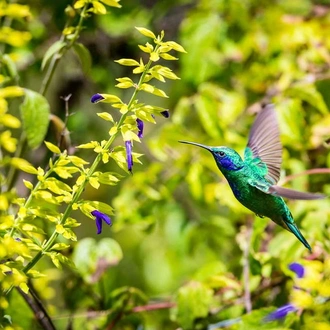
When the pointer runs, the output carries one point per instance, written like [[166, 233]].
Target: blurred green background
[[176, 220]]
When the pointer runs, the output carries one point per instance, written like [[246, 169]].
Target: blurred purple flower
[[298, 269], [99, 218], [129, 157], [97, 98], [165, 113], [140, 125], [281, 312]]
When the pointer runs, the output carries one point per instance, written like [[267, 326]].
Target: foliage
[[181, 252]]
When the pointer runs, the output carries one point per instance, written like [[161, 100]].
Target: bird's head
[[227, 159]]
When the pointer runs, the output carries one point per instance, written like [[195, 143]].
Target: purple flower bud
[[165, 113], [97, 98], [129, 157], [281, 312], [298, 269], [99, 218], [140, 125]]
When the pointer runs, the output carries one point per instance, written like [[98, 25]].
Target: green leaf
[[193, 301], [255, 320], [35, 112], [59, 259], [84, 57], [52, 50], [88, 255], [310, 94]]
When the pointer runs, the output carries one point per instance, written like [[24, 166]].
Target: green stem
[[56, 58], [43, 89], [47, 246], [29, 200]]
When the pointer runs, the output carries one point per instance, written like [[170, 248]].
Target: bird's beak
[[197, 144]]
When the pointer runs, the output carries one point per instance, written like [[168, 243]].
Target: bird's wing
[[264, 149], [294, 194], [284, 192]]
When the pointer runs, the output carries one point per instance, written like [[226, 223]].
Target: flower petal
[[129, 157], [99, 217], [140, 125], [281, 312], [98, 222], [165, 113], [298, 269], [97, 98]]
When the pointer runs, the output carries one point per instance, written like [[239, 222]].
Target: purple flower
[[281, 312], [140, 125], [165, 113], [129, 157], [97, 98], [298, 269], [99, 218]]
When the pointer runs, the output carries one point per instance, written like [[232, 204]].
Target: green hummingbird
[[253, 180]]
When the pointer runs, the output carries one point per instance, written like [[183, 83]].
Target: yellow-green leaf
[[168, 57], [52, 147], [89, 145], [154, 57], [146, 32], [59, 246], [94, 182], [127, 62], [176, 46], [153, 90], [28, 184], [106, 116], [112, 3], [109, 98], [23, 165]]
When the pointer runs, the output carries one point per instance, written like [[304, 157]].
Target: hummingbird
[[253, 180]]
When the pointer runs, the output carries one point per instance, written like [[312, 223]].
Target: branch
[[152, 307], [37, 307], [246, 267], [307, 172]]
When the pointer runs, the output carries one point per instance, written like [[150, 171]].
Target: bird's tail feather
[[294, 229]]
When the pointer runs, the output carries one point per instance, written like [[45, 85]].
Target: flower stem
[[56, 58], [44, 87], [48, 245]]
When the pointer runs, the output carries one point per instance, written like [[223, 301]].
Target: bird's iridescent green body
[[253, 180]]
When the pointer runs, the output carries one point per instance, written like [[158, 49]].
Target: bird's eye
[[222, 153]]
